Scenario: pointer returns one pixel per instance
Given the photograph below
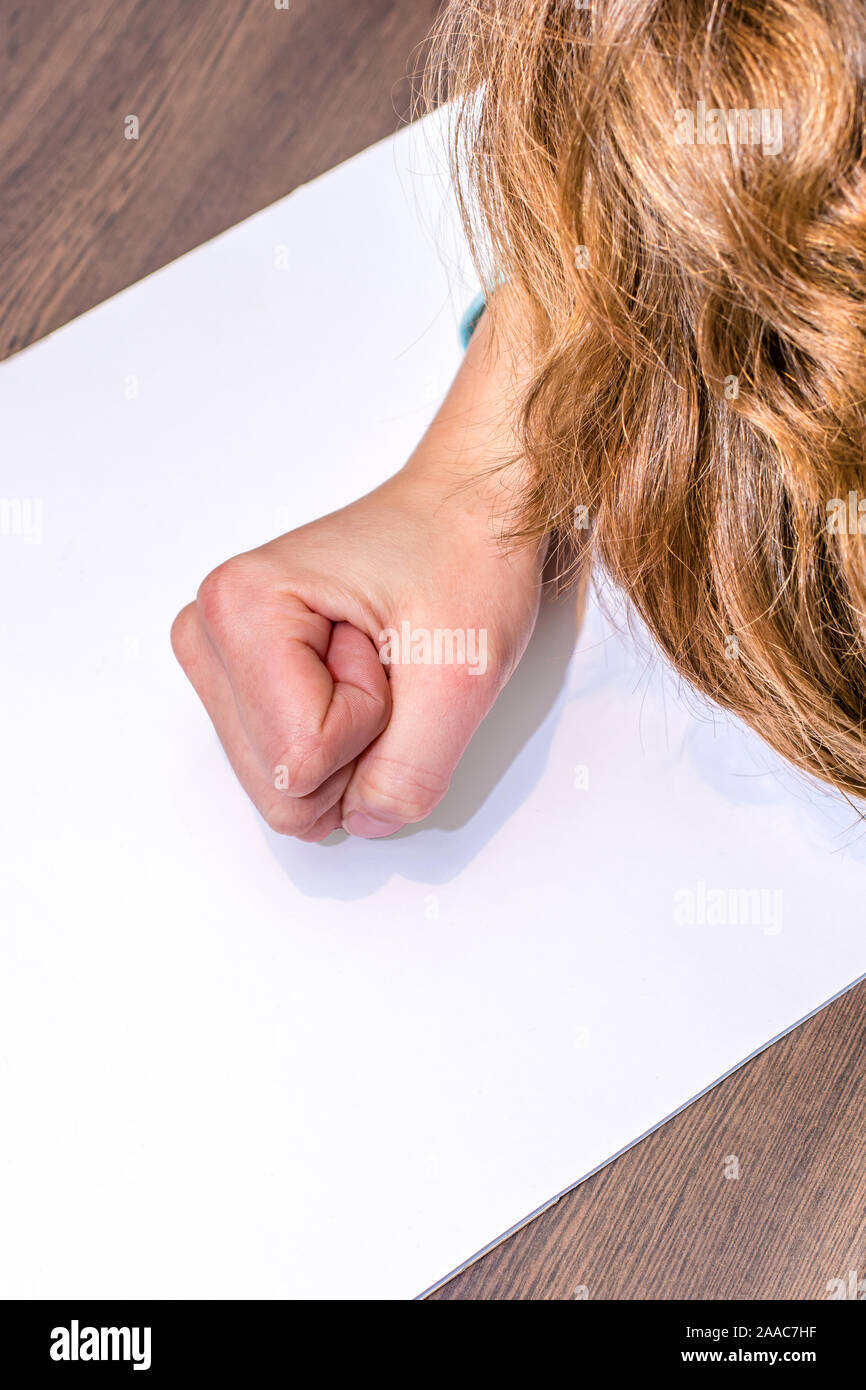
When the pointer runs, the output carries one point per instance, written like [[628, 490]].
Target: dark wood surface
[[664, 1221], [238, 103]]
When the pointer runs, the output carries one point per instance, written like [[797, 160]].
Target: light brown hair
[[698, 323]]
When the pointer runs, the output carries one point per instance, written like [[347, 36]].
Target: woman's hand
[[285, 644]]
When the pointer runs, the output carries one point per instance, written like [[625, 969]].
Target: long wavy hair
[[676, 192]]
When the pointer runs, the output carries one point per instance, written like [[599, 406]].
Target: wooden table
[[237, 103]]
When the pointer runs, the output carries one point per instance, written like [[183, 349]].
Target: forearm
[[472, 448]]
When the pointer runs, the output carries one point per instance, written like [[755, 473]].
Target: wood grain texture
[[663, 1221], [238, 102]]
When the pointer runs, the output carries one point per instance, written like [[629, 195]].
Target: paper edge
[[402, 128], [545, 1206]]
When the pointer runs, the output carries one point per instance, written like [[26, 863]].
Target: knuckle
[[217, 593], [183, 631], [390, 789], [225, 591]]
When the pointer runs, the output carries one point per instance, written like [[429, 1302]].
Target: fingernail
[[368, 827]]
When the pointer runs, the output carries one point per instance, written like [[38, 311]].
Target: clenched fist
[[346, 665]]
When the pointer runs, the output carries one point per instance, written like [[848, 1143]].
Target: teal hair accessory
[[472, 317]]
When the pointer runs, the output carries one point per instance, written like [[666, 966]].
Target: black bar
[[245, 1340]]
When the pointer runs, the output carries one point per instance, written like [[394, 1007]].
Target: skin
[[282, 643]]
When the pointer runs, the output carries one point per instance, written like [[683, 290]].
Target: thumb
[[405, 773]]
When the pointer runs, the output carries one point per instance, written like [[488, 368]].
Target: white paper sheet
[[236, 1065]]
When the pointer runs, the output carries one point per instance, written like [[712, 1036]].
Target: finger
[[288, 815], [408, 769], [310, 695], [325, 826]]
